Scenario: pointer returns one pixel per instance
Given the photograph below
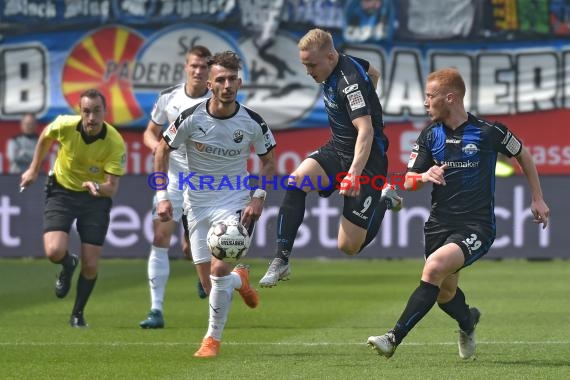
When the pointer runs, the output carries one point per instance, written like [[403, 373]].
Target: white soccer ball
[[228, 240]]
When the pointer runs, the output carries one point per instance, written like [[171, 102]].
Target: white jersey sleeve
[[170, 103], [179, 130], [159, 114], [264, 140]]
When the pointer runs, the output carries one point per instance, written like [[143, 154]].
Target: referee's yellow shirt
[[79, 161]]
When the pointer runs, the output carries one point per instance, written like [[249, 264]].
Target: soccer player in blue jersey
[[457, 153], [357, 149]]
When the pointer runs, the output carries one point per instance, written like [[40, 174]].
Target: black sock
[[374, 225], [458, 310], [66, 260], [419, 303], [289, 220], [84, 288]]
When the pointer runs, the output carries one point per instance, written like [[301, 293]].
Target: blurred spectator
[[20, 150], [369, 20], [559, 15]]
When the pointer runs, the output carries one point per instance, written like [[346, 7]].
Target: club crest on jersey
[[238, 136], [470, 149]]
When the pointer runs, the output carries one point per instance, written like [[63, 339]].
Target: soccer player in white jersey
[[218, 134], [168, 106]]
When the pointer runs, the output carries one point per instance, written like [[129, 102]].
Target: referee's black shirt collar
[[90, 139]]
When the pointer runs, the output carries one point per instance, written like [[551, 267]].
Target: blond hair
[[450, 79], [316, 39]]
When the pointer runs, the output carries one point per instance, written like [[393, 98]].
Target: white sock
[[158, 271], [220, 302], [236, 280]]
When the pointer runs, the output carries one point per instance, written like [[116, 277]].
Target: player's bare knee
[[54, 251], [433, 273], [54, 254], [349, 248]]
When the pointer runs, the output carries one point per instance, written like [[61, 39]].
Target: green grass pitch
[[312, 327]]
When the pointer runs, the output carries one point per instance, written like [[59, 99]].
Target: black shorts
[[475, 240], [365, 208], [63, 206]]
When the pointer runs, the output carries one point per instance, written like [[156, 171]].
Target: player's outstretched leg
[[290, 217]]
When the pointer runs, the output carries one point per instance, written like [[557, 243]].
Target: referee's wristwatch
[[97, 187]]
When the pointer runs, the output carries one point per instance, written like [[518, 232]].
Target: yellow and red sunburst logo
[[103, 61]]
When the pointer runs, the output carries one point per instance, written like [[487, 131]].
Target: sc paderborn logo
[[238, 136], [470, 149]]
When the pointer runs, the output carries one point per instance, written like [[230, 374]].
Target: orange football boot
[[210, 348], [246, 292]]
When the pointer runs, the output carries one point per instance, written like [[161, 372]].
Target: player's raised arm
[[42, 149]]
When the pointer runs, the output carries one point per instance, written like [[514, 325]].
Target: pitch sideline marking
[[291, 344]]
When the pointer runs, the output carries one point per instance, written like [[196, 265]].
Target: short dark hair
[[227, 59], [199, 51], [92, 94]]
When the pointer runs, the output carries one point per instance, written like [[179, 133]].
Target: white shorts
[[176, 198], [199, 221]]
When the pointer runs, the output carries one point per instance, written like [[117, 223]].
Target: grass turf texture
[[312, 327]]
